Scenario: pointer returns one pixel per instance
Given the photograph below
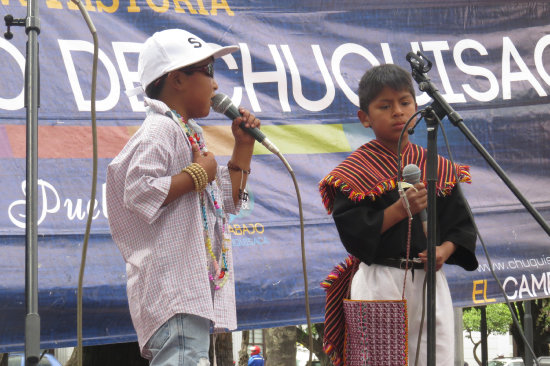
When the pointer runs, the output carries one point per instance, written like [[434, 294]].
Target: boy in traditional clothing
[[372, 220]]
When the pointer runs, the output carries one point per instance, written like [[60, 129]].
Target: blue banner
[[297, 69]]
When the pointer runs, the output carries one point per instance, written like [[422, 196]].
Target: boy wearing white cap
[[169, 201]]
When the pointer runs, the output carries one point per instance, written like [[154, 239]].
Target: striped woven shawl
[[371, 170]]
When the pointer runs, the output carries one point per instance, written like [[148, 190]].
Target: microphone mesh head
[[220, 103], [411, 173]]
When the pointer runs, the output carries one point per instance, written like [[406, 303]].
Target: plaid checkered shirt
[[163, 246]]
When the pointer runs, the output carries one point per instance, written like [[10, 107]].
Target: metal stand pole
[[528, 329], [483, 331], [32, 320], [431, 177]]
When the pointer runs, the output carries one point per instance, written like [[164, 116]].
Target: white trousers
[[377, 282]]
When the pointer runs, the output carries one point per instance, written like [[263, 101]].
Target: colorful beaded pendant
[[218, 271]]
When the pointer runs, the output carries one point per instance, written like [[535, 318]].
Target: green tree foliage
[[498, 319], [498, 322]]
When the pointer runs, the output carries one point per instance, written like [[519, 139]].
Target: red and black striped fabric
[[371, 170], [337, 287]]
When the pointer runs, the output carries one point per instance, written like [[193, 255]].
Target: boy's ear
[[177, 79], [171, 78], [364, 118]]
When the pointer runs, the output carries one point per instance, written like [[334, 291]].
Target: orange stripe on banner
[[58, 142], [75, 142]]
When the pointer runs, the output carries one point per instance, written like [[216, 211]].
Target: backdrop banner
[[297, 69]]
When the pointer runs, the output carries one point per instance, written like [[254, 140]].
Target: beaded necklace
[[218, 270]]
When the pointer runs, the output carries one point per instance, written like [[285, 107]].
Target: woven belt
[[400, 263]]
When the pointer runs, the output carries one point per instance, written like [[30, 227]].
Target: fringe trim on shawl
[[331, 182]]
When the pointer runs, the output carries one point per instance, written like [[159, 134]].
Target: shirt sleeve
[[457, 227], [147, 179], [227, 189]]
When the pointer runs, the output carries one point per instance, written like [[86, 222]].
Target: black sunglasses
[[208, 69]]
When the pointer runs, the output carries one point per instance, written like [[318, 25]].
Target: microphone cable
[[92, 205], [303, 249]]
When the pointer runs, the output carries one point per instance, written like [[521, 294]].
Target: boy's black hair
[[155, 87], [377, 78]]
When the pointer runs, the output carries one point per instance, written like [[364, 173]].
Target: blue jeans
[[182, 341]]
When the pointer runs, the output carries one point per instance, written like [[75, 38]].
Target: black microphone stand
[[431, 177], [419, 70], [436, 111], [32, 101]]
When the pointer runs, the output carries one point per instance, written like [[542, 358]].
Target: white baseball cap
[[172, 49]]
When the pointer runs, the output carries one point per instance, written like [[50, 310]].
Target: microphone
[[222, 104], [411, 174]]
